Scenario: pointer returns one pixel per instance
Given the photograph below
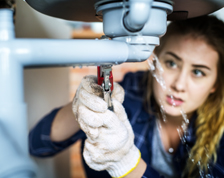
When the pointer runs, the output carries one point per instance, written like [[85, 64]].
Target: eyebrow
[[179, 59], [174, 55], [201, 66]]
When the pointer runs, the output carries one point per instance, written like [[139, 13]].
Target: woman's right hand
[[110, 139], [89, 88], [65, 122]]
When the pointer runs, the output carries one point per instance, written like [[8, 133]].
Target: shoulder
[[133, 85], [219, 166], [132, 79], [134, 88], [221, 146]]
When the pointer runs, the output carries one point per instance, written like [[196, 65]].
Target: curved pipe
[[138, 14], [139, 53]]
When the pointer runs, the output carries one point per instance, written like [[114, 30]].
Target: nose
[[180, 82]]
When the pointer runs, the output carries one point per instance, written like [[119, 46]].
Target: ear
[[213, 89]]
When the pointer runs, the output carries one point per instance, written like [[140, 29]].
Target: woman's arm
[[64, 124], [144, 171], [138, 171], [54, 132]]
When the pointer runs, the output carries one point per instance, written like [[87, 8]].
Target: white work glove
[[110, 139]]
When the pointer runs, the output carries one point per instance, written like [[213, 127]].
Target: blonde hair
[[210, 121]]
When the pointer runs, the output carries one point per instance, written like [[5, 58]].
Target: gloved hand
[[89, 87], [110, 139]]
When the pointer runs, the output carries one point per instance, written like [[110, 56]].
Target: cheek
[[158, 91], [198, 94], [166, 79], [170, 75]]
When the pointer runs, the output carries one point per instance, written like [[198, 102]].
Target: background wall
[[32, 24], [45, 88]]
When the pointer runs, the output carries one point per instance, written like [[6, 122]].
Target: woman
[[159, 142]]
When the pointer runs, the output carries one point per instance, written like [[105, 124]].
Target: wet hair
[[210, 120]]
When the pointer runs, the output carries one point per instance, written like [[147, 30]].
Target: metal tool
[[105, 79]]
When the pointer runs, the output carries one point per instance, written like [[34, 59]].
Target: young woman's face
[[190, 72]]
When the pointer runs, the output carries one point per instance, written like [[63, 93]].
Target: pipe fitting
[[139, 53], [138, 14], [6, 25]]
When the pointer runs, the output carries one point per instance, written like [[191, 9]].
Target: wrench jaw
[[105, 79], [107, 98]]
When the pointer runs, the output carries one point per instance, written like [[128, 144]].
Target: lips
[[174, 101]]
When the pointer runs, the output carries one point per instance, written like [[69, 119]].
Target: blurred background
[[49, 88]]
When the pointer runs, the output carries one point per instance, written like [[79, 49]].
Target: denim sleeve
[[40, 144], [217, 169]]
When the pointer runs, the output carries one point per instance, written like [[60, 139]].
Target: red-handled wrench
[[105, 79]]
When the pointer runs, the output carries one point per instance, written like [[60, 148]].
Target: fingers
[[118, 93], [91, 133], [88, 159], [93, 119], [91, 101], [121, 114], [89, 122], [103, 117], [90, 118], [75, 101], [90, 94], [93, 123], [89, 83], [119, 110]]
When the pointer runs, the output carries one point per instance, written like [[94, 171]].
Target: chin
[[173, 111]]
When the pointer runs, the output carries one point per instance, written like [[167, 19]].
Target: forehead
[[190, 49]]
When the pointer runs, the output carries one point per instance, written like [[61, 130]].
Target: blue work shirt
[[142, 122]]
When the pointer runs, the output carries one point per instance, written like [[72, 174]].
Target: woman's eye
[[171, 64], [198, 73]]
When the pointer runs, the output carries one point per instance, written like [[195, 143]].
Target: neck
[[173, 121], [170, 136]]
